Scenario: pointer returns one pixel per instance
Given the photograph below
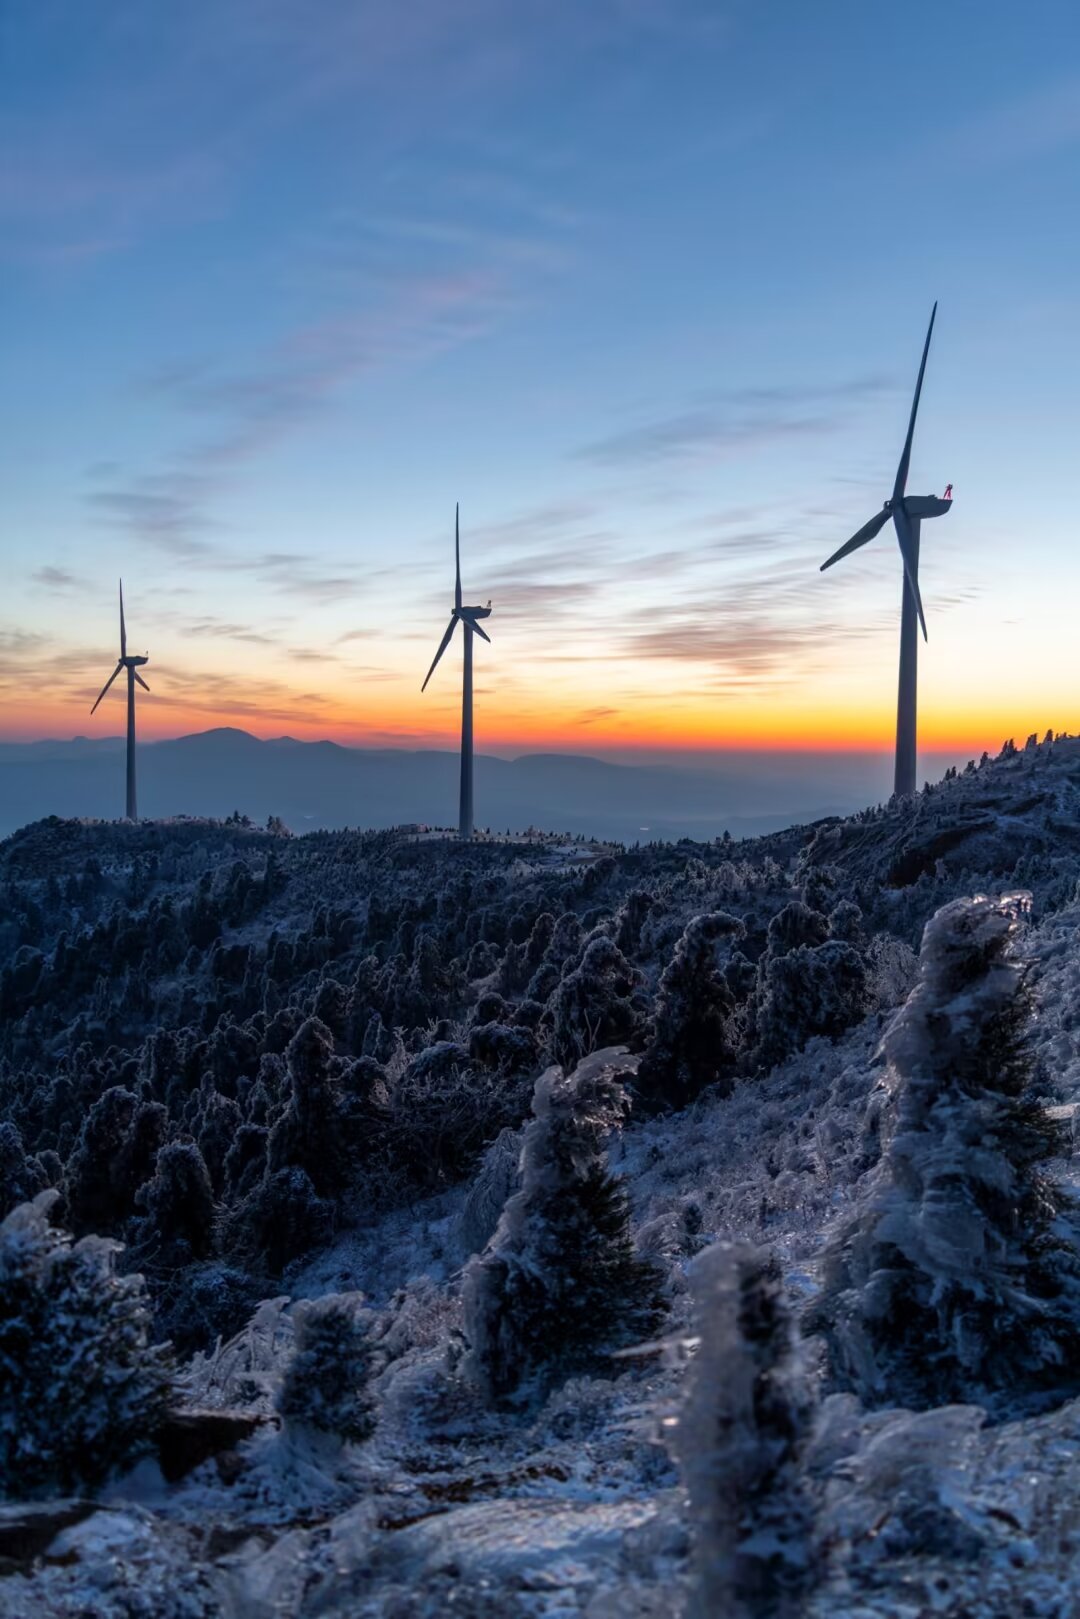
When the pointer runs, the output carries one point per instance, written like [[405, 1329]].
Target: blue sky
[[643, 285]]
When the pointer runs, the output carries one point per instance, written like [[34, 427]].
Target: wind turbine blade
[[913, 586], [443, 644], [483, 634], [865, 534], [911, 565], [140, 679], [123, 630], [457, 557], [107, 684], [905, 460]]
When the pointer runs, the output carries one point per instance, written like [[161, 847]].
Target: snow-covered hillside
[[545, 1232]]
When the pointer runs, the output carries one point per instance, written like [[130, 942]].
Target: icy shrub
[[892, 967], [693, 1041], [955, 1277], [739, 1439], [280, 1219], [199, 1304], [794, 926], [811, 990], [325, 1387], [594, 1005], [444, 1110], [81, 1390], [560, 1283], [498, 1045], [845, 922]]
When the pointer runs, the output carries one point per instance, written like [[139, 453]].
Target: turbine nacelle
[[459, 613]]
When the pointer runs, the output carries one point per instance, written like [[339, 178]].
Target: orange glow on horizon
[[795, 726]]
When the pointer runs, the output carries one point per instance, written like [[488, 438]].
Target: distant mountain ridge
[[324, 784]]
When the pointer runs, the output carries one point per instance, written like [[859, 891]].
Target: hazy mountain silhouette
[[321, 784]]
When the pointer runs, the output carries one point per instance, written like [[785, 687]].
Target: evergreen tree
[[809, 990], [955, 1278], [596, 1004], [560, 1284], [179, 1201], [693, 1039], [309, 1132]]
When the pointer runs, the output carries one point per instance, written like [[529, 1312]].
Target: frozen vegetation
[[395, 1227]]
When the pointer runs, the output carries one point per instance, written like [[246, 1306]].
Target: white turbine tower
[[132, 664], [907, 512], [469, 618]]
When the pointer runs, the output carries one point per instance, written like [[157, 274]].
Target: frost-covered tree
[[81, 1390], [179, 1202], [797, 924], [595, 1004], [810, 990], [310, 1131], [280, 1219], [560, 1284], [693, 1041], [739, 1438], [955, 1277], [114, 1156], [325, 1388]]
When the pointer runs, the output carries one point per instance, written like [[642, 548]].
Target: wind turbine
[[132, 664], [469, 618], [907, 512]]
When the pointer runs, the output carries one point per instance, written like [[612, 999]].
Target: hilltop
[[280, 1068]]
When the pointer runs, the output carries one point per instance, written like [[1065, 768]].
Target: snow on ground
[[577, 1510]]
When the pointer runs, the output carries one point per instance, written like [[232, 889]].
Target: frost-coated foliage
[[81, 1390], [694, 1037], [958, 1276], [179, 1204], [325, 1387], [808, 990], [486, 1198], [594, 1004], [741, 1430], [20, 1177], [560, 1285]]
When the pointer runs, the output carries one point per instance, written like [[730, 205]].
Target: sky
[[642, 283]]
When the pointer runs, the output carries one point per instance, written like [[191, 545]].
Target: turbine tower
[[469, 618], [907, 512], [132, 664]]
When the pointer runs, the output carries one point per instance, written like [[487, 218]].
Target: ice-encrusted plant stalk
[[738, 1439]]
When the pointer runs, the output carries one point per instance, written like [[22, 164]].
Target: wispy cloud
[[57, 579], [218, 630], [747, 419], [242, 414]]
